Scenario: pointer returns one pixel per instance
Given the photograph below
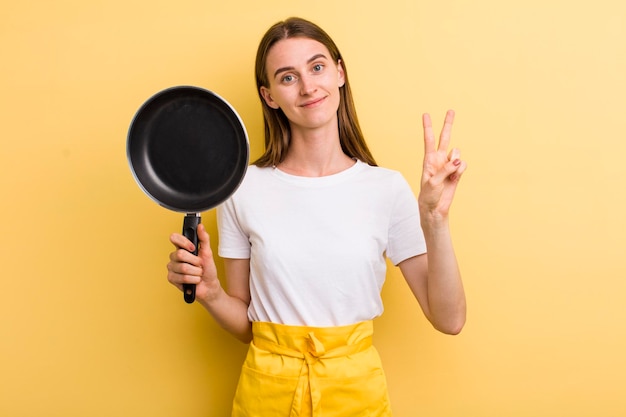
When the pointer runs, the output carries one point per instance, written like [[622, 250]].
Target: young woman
[[305, 237]]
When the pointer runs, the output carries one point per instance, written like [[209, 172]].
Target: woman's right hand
[[186, 268]]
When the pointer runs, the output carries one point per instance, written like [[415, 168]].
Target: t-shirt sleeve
[[233, 241], [406, 238]]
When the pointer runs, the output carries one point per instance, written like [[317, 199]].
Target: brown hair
[[276, 124]]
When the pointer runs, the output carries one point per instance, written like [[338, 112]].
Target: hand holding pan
[[188, 150]]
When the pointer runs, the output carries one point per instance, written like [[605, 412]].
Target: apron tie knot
[[307, 347], [316, 348]]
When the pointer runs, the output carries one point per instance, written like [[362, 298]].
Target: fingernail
[[457, 162]]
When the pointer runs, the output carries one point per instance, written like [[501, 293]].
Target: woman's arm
[[228, 308], [435, 278]]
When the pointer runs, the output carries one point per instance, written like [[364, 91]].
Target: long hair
[[276, 124]]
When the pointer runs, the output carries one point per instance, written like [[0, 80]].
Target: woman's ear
[[342, 76], [265, 93]]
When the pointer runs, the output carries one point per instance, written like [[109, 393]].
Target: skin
[[304, 83]]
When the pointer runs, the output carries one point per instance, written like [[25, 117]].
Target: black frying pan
[[188, 151]]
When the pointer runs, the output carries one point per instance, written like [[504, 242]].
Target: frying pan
[[188, 150]]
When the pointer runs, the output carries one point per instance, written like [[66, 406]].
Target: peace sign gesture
[[441, 172]]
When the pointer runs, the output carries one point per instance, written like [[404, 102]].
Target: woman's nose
[[307, 85]]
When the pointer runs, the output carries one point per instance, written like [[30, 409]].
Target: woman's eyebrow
[[313, 58]]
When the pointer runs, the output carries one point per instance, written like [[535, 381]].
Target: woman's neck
[[315, 154]]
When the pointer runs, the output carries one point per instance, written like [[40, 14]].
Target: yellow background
[[90, 327]]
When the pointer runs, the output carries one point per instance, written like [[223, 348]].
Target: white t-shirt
[[317, 246]]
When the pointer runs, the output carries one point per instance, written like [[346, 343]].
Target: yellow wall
[[90, 327]]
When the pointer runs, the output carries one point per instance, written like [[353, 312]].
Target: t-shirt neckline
[[326, 179]]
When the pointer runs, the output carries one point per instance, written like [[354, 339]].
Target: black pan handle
[[190, 227]]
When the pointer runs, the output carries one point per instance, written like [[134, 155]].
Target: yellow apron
[[298, 371]]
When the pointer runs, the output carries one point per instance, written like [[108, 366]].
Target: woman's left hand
[[441, 172]]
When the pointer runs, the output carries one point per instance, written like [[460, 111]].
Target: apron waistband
[[311, 344]]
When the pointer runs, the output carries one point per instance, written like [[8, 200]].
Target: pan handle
[[190, 227]]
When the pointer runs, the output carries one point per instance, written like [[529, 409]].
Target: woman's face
[[304, 82]]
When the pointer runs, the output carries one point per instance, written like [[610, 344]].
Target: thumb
[[204, 242], [448, 169], [209, 271]]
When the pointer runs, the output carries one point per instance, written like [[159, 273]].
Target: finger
[[204, 243], [429, 137], [455, 153], [448, 171], [183, 273], [456, 176], [181, 242], [184, 270], [460, 170], [446, 131], [183, 256], [178, 279]]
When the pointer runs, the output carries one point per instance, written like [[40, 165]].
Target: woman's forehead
[[293, 51]]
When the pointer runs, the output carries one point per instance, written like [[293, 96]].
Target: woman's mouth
[[313, 103]]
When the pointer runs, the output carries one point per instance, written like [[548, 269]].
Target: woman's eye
[[318, 67], [288, 78]]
